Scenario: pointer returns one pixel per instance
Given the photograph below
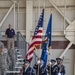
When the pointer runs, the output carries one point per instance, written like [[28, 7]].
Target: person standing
[[10, 36], [51, 66], [62, 68], [4, 61], [59, 68], [40, 68], [12, 55], [26, 69]]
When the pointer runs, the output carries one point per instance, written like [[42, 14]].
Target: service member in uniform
[[4, 61], [12, 55], [51, 66], [62, 68], [26, 69], [59, 69], [56, 67], [40, 68]]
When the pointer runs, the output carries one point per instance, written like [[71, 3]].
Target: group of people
[[54, 67], [7, 56], [7, 60]]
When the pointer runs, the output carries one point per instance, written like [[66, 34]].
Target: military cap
[[26, 61], [58, 59], [52, 60]]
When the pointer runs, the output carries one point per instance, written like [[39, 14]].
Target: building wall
[[20, 18]]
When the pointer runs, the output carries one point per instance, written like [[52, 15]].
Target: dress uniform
[[62, 68], [62, 72], [59, 68], [51, 66], [27, 70], [40, 68]]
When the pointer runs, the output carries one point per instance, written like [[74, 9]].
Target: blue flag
[[49, 31], [46, 44]]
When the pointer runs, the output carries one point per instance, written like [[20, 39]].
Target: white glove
[[38, 61], [50, 63], [59, 73]]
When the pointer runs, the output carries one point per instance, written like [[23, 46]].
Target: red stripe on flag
[[39, 31], [33, 44]]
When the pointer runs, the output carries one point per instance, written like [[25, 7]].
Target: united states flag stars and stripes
[[37, 38]]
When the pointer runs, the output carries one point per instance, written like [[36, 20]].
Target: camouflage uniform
[[12, 55], [3, 63], [3, 60]]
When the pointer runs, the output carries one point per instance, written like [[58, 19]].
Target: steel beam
[[6, 15]]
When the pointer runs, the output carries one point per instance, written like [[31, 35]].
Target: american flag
[[37, 38]]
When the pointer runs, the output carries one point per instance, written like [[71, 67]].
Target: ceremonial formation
[[42, 66], [54, 67]]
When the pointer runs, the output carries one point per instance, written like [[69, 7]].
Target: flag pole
[[38, 8], [44, 4], [38, 18], [50, 55], [50, 48]]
